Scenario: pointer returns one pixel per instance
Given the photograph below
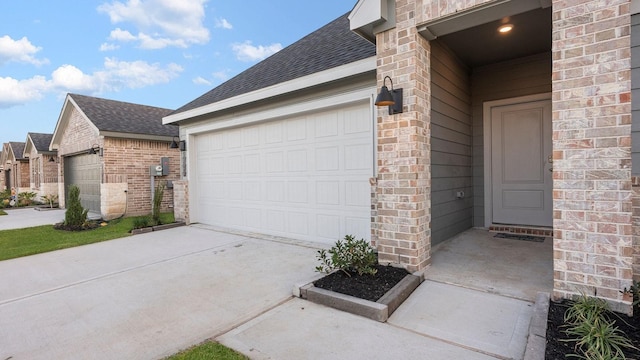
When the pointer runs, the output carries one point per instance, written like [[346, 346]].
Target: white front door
[[521, 164]]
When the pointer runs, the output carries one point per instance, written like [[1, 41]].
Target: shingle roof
[[123, 117], [18, 149], [41, 141], [330, 46]]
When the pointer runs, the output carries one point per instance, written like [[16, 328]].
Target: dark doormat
[[519, 237]]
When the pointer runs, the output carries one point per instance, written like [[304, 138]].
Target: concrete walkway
[[28, 217], [150, 295]]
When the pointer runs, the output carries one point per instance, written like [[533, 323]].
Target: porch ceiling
[[482, 44]]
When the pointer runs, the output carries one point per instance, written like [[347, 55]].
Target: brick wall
[[130, 159], [402, 225], [181, 200], [78, 136], [636, 228], [23, 177], [592, 154]]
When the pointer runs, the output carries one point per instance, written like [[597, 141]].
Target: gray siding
[[525, 76], [635, 94], [451, 140]]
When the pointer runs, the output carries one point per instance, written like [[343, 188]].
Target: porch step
[[516, 229]]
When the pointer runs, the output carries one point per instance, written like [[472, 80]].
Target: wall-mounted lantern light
[[52, 158], [178, 144], [392, 99], [95, 149]]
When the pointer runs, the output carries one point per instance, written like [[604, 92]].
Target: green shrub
[[26, 198], [157, 202], [50, 199], [348, 256], [141, 222], [594, 334], [75, 215]]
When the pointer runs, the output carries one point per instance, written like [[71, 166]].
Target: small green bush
[[594, 334], [26, 198], [349, 256], [75, 215], [157, 202], [141, 222]]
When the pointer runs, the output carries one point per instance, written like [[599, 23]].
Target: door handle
[[550, 159]]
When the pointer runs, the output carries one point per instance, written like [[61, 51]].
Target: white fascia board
[[361, 95], [354, 68], [367, 13]]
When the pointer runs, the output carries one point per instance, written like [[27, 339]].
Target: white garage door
[[305, 177]]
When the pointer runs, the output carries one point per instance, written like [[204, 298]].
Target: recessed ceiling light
[[505, 28]]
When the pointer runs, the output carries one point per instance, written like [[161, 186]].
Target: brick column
[[402, 227], [181, 200], [592, 149]]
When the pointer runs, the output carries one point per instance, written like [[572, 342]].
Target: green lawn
[[2, 212], [208, 351], [35, 240]]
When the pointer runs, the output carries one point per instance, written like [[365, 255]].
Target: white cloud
[[19, 51], [224, 24], [160, 23], [14, 92], [121, 35], [114, 76], [201, 81], [221, 75], [109, 47], [71, 78], [247, 52]]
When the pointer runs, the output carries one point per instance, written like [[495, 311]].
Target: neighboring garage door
[[84, 171], [304, 177]]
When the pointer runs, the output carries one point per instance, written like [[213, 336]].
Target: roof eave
[[370, 17], [319, 78], [122, 135]]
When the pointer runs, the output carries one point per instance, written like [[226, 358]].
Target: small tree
[[75, 214], [157, 202]]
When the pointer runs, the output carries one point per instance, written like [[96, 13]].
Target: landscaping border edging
[[156, 228], [379, 310], [537, 340]]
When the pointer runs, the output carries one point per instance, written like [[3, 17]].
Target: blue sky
[[154, 52]]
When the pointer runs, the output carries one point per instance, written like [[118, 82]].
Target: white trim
[[635, 7], [354, 68], [486, 129]]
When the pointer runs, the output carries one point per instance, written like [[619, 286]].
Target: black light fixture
[[392, 99], [95, 149], [51, 158], [179, 144]]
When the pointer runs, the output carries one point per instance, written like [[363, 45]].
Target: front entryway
[[519, 169]]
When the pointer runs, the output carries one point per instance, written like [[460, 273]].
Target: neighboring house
[[15, 167], [2, 173], [43, 165], [528, 131], [107, 148]]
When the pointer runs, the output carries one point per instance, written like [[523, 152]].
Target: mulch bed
[[89, 225], [368, 287], [558, 349]]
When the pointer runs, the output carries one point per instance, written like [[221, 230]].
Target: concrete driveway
[[28, 217], [142, 297], [149, 296]]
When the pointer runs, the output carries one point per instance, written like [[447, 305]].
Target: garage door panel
[[305, 177], [85, 172]]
